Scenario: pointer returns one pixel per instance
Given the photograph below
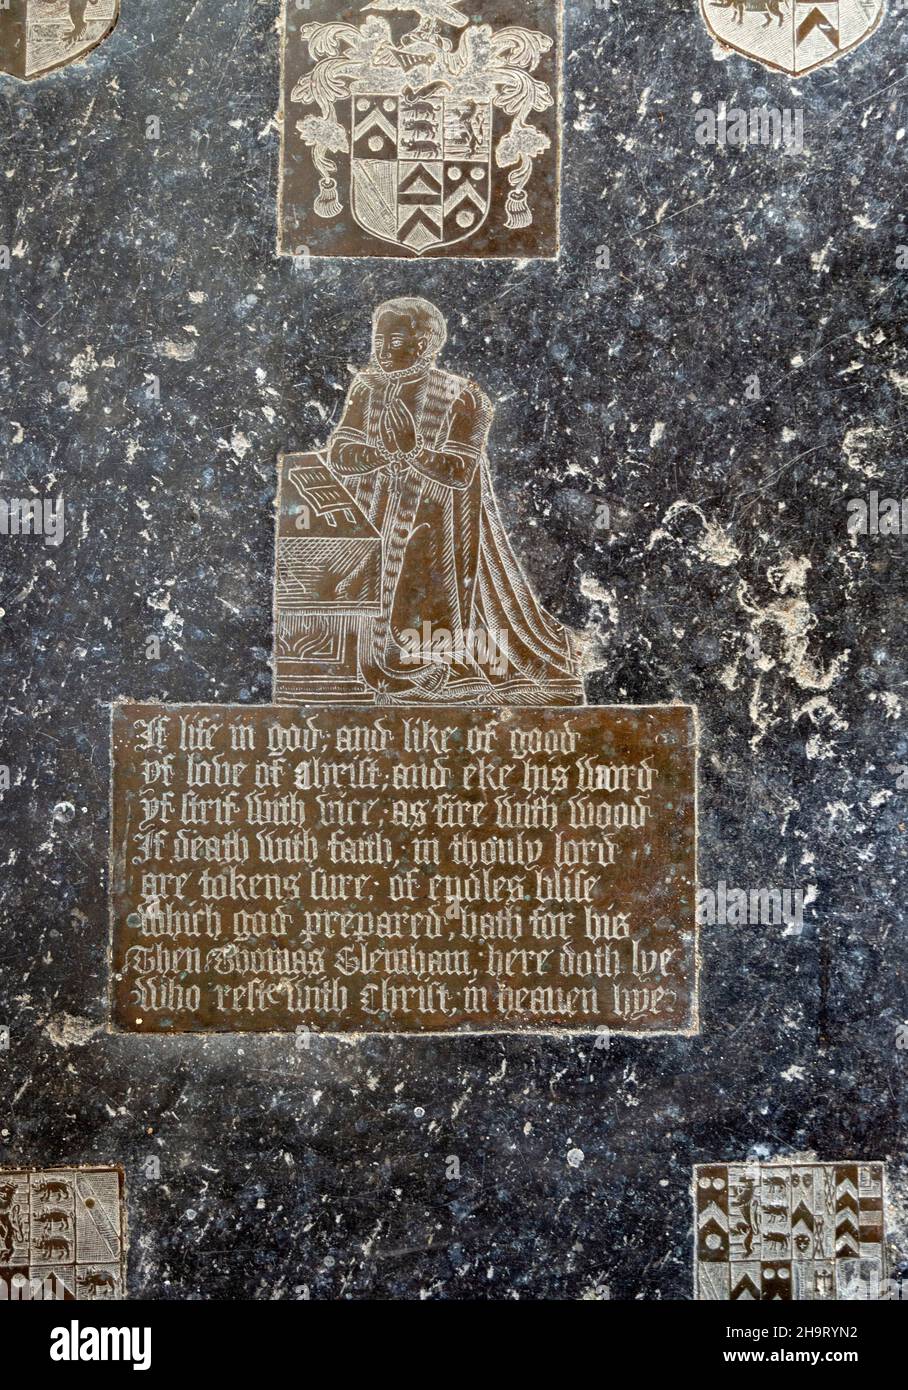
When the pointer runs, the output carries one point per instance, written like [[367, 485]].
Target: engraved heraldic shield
[[37, 36], [426, 132], [420, 167], [793, 36]]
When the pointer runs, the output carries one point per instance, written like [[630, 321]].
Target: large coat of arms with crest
[[420, 121]]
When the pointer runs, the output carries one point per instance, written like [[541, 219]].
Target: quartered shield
[[793, 36], [420, 167], [37, 36]]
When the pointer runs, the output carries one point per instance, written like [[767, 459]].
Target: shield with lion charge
[[37, 36], [420, 167], [792, 36]]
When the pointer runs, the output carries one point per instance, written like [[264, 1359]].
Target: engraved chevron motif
[[482, 92], [374, 129], [745, 1290], [422, 186], [375, 121], [420, 230], [784, 1231], [464, 194], [792, 36]]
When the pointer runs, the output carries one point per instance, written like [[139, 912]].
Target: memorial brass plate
[[789, 1231], [395, 579], [62, 1234], [420, 130], [403, 870]]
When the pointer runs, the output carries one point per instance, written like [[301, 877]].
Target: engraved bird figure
[[430, 11]]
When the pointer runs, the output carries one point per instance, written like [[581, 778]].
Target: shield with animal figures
[[37, 36], [793, 36], [420, 167]]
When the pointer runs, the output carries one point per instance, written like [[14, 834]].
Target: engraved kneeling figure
[[457, 621]]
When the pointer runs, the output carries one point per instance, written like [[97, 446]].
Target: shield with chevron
[[793, 36], [420, 167], [776, 1232], [434, 139]]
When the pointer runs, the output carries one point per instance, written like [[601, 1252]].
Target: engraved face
[[395, 345]]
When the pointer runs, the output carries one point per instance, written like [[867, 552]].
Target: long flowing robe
[[458, 623]]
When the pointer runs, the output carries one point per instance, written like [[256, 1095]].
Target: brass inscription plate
[[344, 869]]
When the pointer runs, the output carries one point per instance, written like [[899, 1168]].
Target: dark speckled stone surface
[[728, 580]]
